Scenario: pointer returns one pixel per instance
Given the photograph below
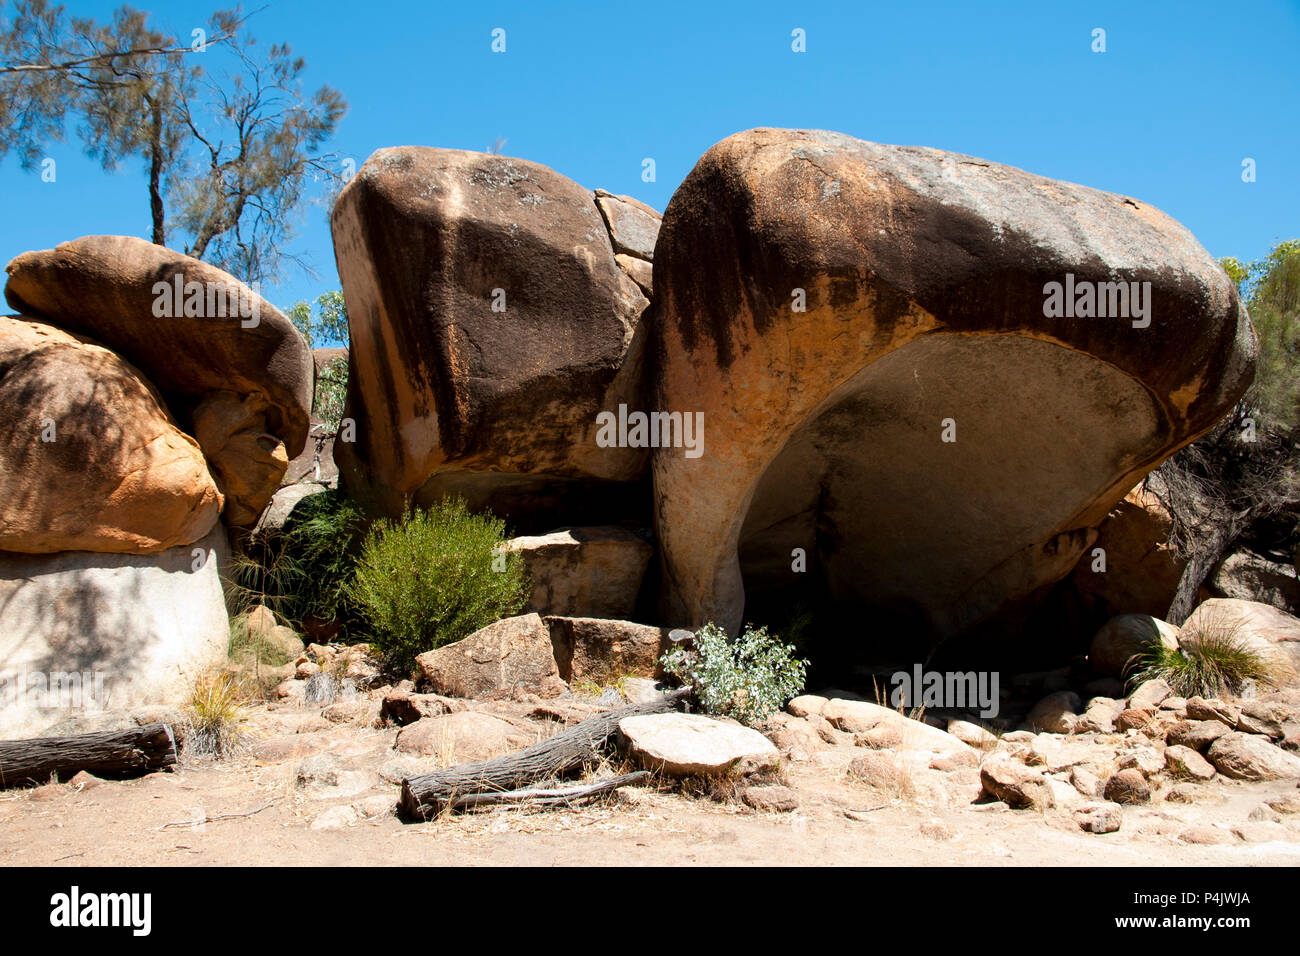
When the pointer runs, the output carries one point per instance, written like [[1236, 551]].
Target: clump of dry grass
[[214, 717]]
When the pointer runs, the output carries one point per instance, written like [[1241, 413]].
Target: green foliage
[[300, 315], [331, 393], [748, 678], [1237, 272], [1210, 662], [304, 568], [434, 577], [228, 138], [327, 326], [1274, 307]]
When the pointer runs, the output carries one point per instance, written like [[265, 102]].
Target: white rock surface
[[82, 632], [692, 744]]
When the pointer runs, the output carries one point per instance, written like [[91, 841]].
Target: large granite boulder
[[90, 459], [879, 342], [193, 330], [599, 650], [1248, 576], [84, 632], [489, 326]]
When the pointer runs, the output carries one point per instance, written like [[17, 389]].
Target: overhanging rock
[[891, 383]]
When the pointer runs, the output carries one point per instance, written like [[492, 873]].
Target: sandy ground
[[153, 821]]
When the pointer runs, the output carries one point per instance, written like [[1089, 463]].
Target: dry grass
[[214, 718]]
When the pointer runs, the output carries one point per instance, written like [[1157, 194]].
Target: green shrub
[[325, 533], [1212, 661], [433, 577], [305, 567], [748, 678], [331, 392]]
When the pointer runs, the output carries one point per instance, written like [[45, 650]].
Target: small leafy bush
[[748, 678], [433, 577], [1213, 660]]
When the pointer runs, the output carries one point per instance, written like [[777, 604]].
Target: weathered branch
[[428, 794], [548, 797], [110, 753], [109, 59]]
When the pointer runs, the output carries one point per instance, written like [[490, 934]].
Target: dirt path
[[837, 823]]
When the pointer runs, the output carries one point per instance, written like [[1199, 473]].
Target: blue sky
[[1184, 92]]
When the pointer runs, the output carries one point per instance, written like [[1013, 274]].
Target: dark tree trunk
[[426, 795], [155, 175], [110, 753], [1198, 568]]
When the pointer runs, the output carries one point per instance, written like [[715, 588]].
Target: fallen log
[[430, 793], [551, 796], [109, 753]]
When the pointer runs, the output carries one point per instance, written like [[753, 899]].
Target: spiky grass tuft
[[1211, 661], [215, 717]]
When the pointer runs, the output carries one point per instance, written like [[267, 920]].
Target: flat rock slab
[[685, 745], [508, 658], [633, 226], [862, 717]]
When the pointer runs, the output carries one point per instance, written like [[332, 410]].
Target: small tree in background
[[229, 139], [1244, 474], [327, 326]]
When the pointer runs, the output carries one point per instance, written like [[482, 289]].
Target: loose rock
[[694, 745]]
